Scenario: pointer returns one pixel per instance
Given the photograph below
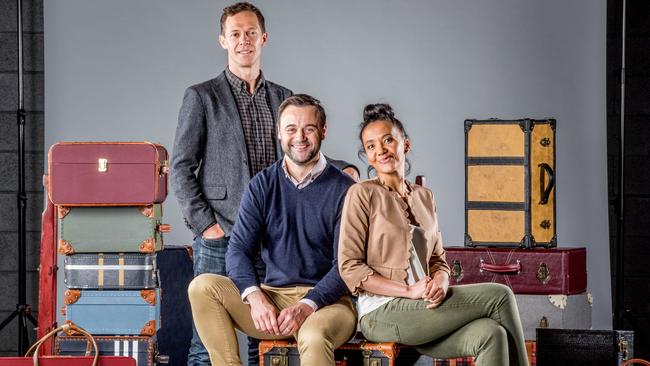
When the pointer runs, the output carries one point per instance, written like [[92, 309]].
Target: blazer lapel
[[227, 102]]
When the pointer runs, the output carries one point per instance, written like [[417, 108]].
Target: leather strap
[[34, 349], [47, 272]]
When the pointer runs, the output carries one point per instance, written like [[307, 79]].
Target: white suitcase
[[554, 311]]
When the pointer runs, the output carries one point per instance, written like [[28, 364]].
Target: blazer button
[[245, 162]]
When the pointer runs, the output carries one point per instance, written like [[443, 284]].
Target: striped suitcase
[[110, 229], [131, 271], [143, 350], [125, 312]]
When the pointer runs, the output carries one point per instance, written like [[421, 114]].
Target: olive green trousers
[[479, 320]]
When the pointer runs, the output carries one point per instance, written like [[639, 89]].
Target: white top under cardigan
[[417, 270]]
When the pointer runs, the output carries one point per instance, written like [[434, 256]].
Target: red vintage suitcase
[[540, 271], [87, 360], [107, 173], [47, 274]]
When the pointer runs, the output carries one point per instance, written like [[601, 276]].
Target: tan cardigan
[[375, 233]]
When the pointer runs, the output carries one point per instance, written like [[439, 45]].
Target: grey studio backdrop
[[116, 71]]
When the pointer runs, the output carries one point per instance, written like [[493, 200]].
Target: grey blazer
[[210, 138]]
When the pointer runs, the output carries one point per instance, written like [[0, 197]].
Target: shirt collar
[[240, 85], [314, 173]]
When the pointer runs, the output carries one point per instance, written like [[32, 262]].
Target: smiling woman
[[391, 256]]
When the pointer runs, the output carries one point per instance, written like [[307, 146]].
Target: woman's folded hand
[[436, 290], [416, 290]]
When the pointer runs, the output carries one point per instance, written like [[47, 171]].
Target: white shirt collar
[[314, 173]]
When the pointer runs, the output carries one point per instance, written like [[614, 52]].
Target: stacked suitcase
[[510, 231], [108, 209]]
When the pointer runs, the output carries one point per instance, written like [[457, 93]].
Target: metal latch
[[543, 323], [543, 273], [164, 168], [623, 347], [163, 359], [370, 361], [102, 165], [457, 270], [280, 360]]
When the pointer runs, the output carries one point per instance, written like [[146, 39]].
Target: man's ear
[[324, 129], [265, 38], [222, 42]]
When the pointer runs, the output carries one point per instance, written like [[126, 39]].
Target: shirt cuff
[[247, 292], [311, 303]]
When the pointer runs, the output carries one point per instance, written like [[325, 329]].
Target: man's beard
[[309, 157]]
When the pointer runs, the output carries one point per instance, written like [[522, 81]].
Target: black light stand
[[23, 310], [620, 313]]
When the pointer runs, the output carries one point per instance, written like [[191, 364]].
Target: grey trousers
[[479, 320]]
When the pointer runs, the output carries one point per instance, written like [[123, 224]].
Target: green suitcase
[[110, 229]]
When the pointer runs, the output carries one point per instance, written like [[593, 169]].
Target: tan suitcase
[[510, 183]]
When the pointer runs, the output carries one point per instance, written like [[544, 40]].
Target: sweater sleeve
[[331, 287], [244, 241], [353, 238]]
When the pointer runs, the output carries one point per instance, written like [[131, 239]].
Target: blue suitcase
[[114, 312]]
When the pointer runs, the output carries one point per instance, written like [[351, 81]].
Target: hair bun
[[373, 112]]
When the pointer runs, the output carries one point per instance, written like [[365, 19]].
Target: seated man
[[293, 209]]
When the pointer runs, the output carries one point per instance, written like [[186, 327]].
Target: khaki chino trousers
[[218, 310]]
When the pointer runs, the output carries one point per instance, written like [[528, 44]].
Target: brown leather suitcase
[[355, 352], [510, 183], [540, 271], [107, 173]]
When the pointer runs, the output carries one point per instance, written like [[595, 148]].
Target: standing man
[[225, 135], [293, 208]]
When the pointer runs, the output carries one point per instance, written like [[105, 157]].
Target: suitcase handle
[[635, 360], [164, 228], [67, 327], [546, 191], [500, 268]]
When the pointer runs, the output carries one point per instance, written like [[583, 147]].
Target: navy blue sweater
[[298, 229]]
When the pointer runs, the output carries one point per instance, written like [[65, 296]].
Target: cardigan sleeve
[[353, 238], [437, 262]]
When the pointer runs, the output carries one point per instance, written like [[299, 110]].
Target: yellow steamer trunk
[[509, 183]]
